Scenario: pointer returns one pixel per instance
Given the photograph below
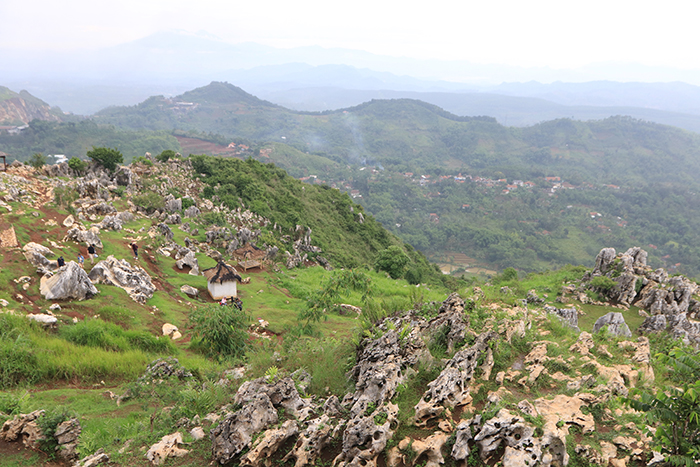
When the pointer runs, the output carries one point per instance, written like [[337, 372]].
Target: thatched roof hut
[[221, 280]]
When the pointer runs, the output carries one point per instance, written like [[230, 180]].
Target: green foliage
[[221, 330], [77, 164], [64, 196], [143, 160], [166, 155], [603, 283], [392, 260], [107, 157], [327, 297], [109, 336], [18, 360], [38, 160], [48, 423], [13, 404], [676, 409], [149, 200]]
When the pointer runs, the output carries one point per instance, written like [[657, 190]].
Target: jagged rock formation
[[23, 428], [68, 282], [36, 255], [80, 235], [134, 279], [168, 446], [615, 323], [669, 300]]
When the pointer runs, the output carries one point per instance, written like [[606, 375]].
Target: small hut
[[221, 281]]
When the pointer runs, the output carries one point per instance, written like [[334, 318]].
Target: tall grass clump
[[109, 336], [18, 360]]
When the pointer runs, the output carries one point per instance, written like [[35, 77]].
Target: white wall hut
[[222, 280]]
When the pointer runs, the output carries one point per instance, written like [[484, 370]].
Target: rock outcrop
[[69, 282], [134, 279]]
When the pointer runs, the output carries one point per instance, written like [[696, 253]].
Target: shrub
[[149, 201], [37, 160], [393, 260], [144, 161], [603, 283], [221, 330], [106, 157], [48, 423], [166, 155], [64, 196], [77, 164]]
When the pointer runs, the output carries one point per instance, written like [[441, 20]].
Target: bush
[[392, 260], [77, 164], [222, 330], [37, 160], [64, 196], [144, 161], [149, 201], [166, 155], [603, 283], [106, 157]]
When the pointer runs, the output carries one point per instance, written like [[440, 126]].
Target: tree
[[676, 408], [221, 329], [106, 157], [77, 164], [38, 160], [392, 260]]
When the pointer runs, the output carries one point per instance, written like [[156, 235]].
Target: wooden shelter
[[221, 281], [249, 264]]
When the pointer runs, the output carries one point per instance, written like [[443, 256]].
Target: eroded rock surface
[[69, 282], [133, 279]]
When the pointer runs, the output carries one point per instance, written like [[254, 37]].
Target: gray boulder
[[134, 279], [604, 261], [89, 237], [236, 431], [192, 211], [568, 316], [166, 231], [615, 323], [173, 219], [69, 282], [189, 260], [172, 204], [36, 255]]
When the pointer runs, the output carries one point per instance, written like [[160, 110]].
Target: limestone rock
[[311, 442], [189, 260], [166, 447], [604, 261], [69, 221], [36, 255], [511, 431], [268, 444], [90, 237], [568, 316], [235, 432], [93, 460], [189, 290], [68, 283], [428, 449], [66, 435], [192, 212], [44, 319], [134, 279], [23, 428], [451, 387], [615, 323], [282, 393], [364, 439]]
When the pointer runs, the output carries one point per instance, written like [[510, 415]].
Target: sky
[[534, 33]]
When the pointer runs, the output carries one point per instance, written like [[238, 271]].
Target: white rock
[[43, 319]]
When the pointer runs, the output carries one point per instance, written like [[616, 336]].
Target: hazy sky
[[555, 33]]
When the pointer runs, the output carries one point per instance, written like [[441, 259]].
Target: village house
[[222, 281]]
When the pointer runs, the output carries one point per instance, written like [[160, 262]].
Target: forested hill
[[533, 198], [409, 135]]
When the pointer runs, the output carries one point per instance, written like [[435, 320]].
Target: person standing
[[81, 260], [91, 253], [61, 262], [135, 247]]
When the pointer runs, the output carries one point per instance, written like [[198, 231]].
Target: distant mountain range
[[314, 78]]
